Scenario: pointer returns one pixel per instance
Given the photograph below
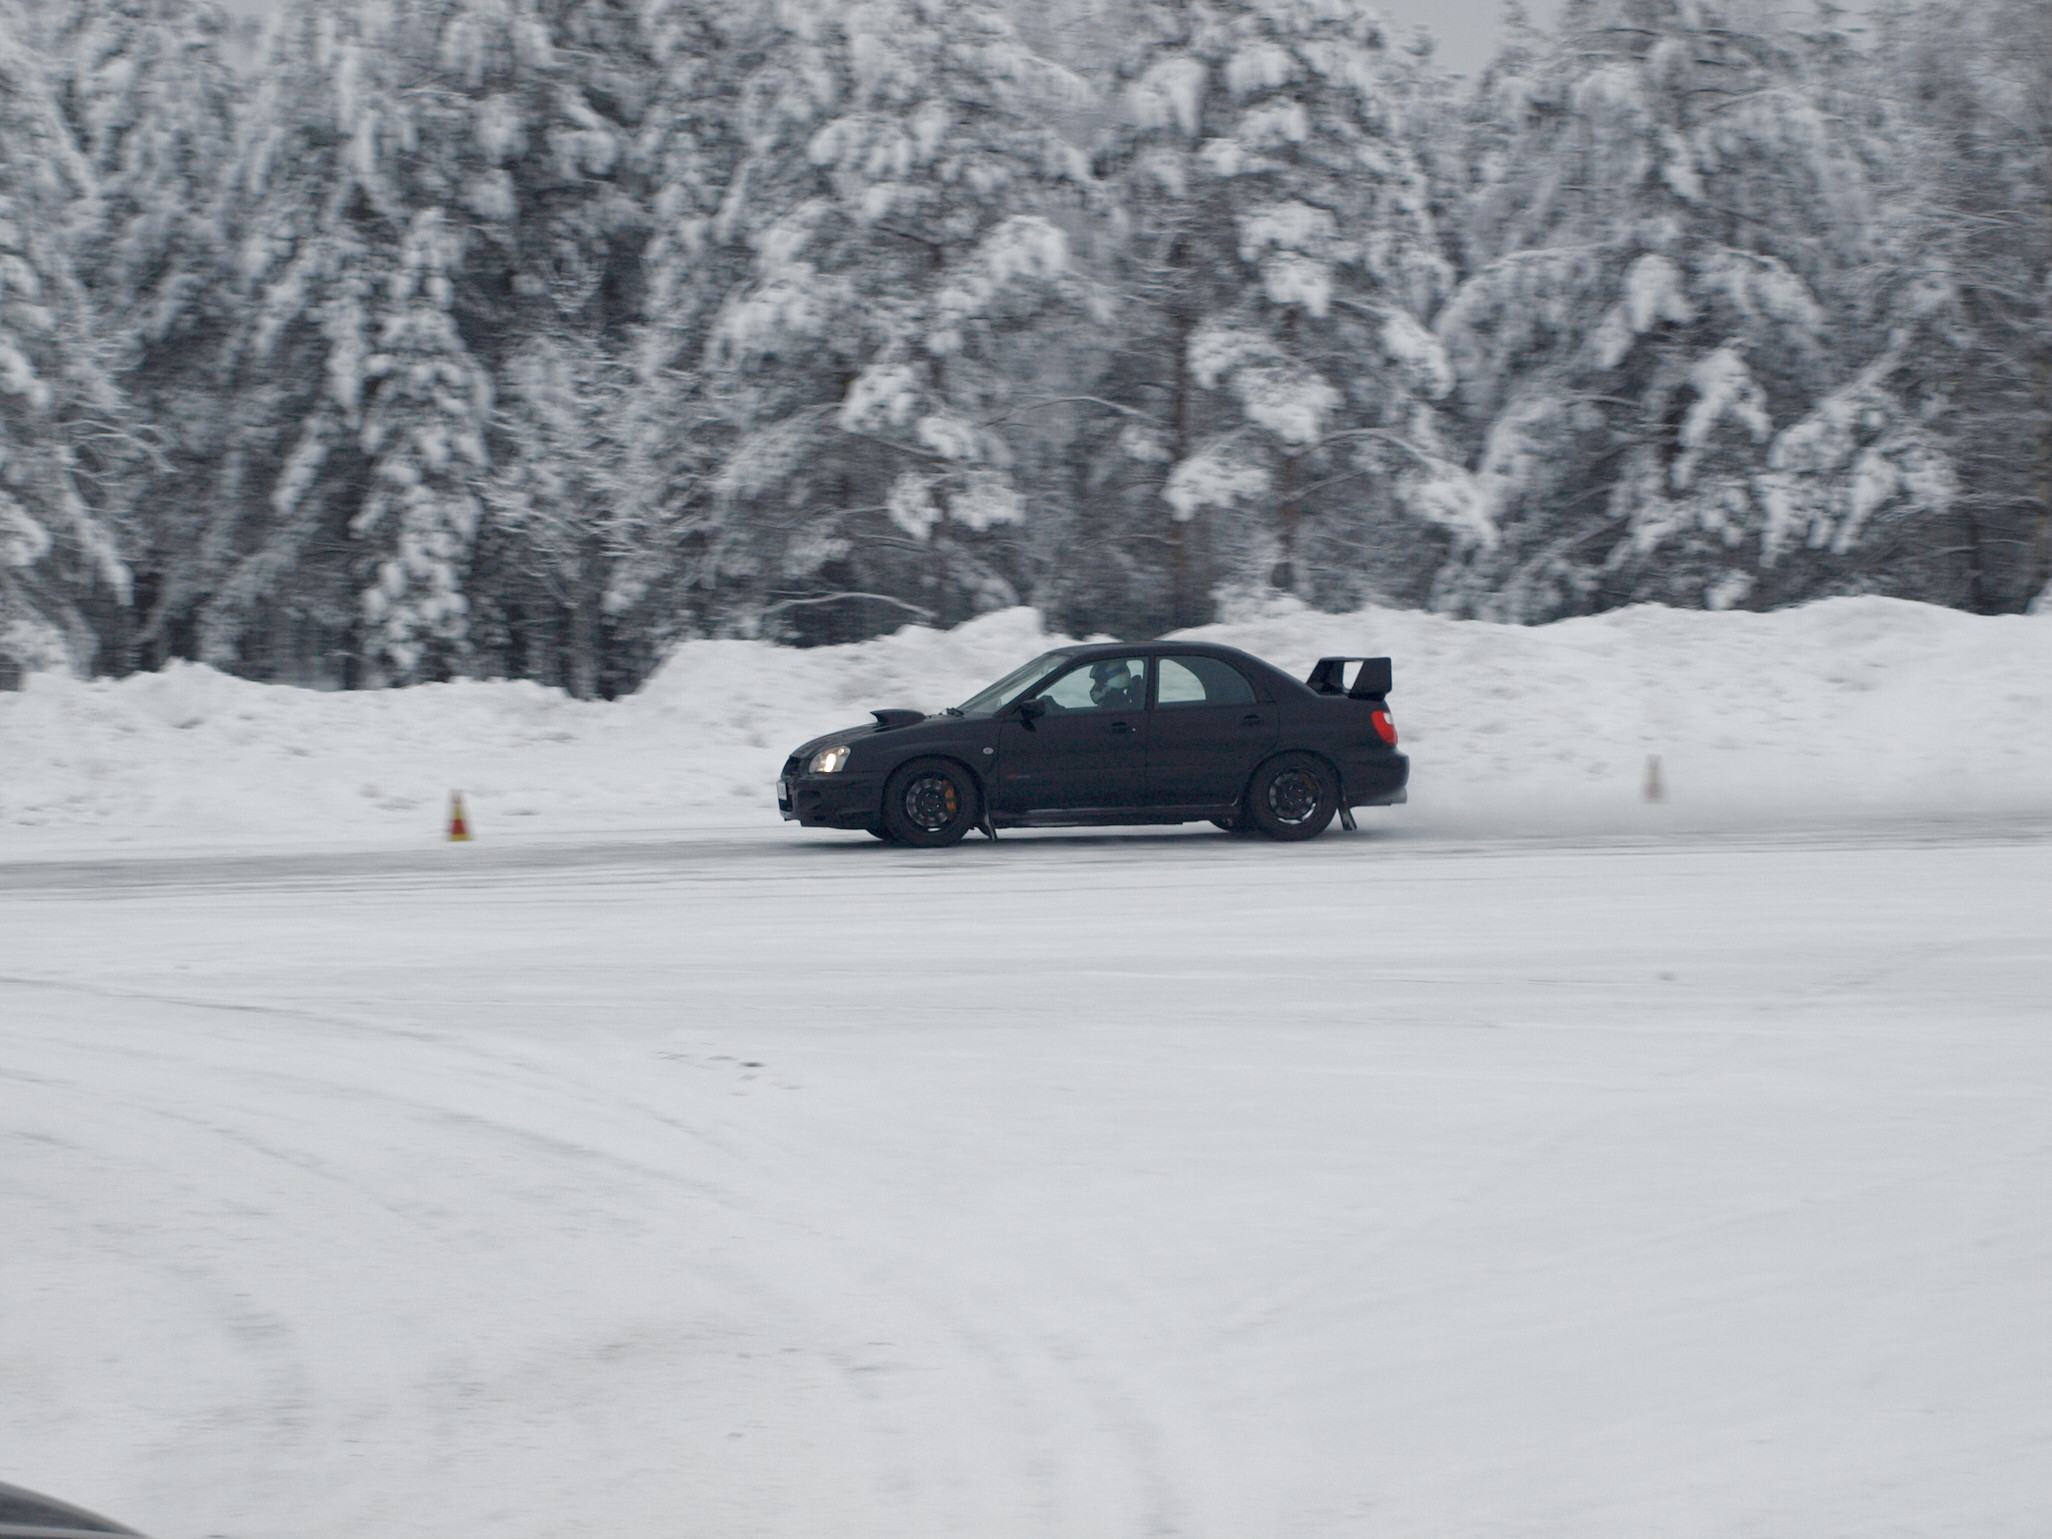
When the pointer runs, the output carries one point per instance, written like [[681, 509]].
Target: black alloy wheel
[[1292, 796], [929, 802]]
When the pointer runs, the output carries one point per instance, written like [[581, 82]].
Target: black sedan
[[1155, 732]]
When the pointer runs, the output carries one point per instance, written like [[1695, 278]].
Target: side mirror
[[1031, 711]]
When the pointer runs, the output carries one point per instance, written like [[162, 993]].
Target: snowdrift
[[1847, 709]]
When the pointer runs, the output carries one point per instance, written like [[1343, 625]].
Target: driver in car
[[1115, 687]]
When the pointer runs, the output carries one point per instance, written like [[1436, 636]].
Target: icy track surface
[[1079, 1187]]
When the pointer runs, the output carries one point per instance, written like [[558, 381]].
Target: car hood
[[868, 729]]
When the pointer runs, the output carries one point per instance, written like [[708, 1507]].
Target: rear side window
[[1201, 681]]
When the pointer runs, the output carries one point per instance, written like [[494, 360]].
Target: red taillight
[[1384, 727]]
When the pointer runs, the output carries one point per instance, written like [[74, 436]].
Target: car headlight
[[830, 761]]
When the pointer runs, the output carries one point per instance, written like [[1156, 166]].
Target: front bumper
[[830, 801]]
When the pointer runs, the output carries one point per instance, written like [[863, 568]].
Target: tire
[[929, 802], [1292, 796]]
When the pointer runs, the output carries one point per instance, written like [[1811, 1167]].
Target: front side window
[[1007, 689], [1111, 684], [1202, 681]]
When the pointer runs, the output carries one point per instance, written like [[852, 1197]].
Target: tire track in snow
[[942, 1294], [1028, 1395]]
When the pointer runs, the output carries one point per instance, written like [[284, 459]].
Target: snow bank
[[1852, 708], [1849, 708]]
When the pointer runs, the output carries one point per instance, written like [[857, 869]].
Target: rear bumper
[[1378, 781], [829, 801]]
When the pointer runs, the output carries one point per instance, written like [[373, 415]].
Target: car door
[[1206, 733], [1087, 751]]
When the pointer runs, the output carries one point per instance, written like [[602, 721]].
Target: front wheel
[[929, 802], [1292, 796]]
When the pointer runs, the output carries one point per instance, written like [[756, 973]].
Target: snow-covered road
[[739, 1183]]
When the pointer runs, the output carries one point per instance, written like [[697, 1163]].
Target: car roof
[[1087, 651], [1091, 649]]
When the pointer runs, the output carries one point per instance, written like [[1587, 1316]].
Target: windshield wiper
[[951, 710]]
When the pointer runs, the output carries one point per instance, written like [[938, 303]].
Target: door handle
[[1250, 720], [1120, 726]]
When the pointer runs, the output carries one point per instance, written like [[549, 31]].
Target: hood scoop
[[885, 720]]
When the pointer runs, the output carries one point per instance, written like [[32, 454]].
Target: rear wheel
[[1292, 796], [929, 802]]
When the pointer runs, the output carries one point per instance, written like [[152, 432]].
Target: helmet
[[1114, 685]]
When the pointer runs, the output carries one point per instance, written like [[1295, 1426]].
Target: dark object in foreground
[[1155, 732], [25, 1515]]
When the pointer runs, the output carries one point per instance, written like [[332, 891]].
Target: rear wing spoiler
[[1371, 682]]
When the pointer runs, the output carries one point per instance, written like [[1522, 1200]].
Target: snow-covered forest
[[398, 340]]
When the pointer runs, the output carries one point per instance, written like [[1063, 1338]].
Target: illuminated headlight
[[830, 761]]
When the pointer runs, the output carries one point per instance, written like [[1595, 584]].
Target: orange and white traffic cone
[[459, 826]]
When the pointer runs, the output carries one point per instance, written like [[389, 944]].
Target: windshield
[[1007, 689]]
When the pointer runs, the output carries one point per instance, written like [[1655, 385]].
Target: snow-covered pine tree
[[60, 559], [1971, 87], [426, 410], [555, 502], [547, 121], [707, 114], [1666, 207], [149, 93], [149, 97], [319, 218], [432, 184], [1281, 258], [903, 202]]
